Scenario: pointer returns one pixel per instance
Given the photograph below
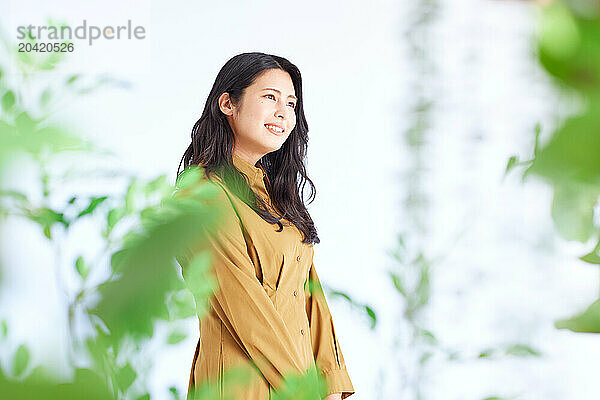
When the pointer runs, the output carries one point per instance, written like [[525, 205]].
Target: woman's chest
[[280, 258]]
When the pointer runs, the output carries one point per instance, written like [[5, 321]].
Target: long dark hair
[[213, 139]]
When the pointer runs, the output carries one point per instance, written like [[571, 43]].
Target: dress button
[[295, 293], [298, 258], [302, 331]]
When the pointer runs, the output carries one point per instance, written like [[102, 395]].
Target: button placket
[[296, 292], [298, 258]]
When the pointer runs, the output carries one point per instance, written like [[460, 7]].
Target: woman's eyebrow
[[279, 91]]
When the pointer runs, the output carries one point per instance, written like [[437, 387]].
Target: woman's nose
[[281, 112]]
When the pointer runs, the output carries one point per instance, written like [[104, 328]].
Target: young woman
[[251, 142]]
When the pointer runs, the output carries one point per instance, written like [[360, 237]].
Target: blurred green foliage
[[568, 45], [410, 278], [418, 348], [134, 282]]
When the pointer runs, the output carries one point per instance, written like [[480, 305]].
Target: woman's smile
[[275, 129]]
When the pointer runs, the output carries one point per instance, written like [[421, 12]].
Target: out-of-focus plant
[[142, 284], [568, 45], [416, 345], [133, 281], [364, 309], [410, 277]]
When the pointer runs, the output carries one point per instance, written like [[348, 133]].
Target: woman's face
[[265, 106]]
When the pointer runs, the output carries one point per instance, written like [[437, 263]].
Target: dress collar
[[257, 177], [255, 174]]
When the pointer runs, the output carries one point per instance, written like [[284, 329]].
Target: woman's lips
[[273, 131]]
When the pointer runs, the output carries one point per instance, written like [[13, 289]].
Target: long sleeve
[[241, 302], [325, 345]]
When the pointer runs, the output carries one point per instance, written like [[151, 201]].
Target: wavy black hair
[[213, 140]]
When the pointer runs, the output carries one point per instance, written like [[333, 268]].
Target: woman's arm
[[326, 348]]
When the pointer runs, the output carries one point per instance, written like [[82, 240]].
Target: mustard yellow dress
[[263, 309]]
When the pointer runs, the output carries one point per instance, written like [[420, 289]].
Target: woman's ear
[[225, 104]]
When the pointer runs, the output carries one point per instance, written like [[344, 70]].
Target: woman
[[251, 142]]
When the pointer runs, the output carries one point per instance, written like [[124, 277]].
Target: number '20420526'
[[46, 47]]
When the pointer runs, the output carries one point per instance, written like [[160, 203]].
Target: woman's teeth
[[274, 129]]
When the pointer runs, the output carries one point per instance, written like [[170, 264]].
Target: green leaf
[[52, 60], [427, 335], [559, 35], [46, 218], [399, 251], [43, 384], [181, 305], [136, 297], [114, 216], [4, 329], [423, 287], [145, 396], [131, 302], [151, 217], [24, 123], [72, 79], [51, 139], [341, 294], [592, 257], [424, 357], [310, 385], [176, 337], [522, 350], [94, 202], [372, 316], [587, 321], [14, 194], [81, 267], [131, 194], [157, 184], [199, 281], [571, 155], [125, 377], [21, 360], [8, 100], [486, 353], [174, 392], [190, 176], [573, 211], [512, 161], [117, 259], [398, 284]]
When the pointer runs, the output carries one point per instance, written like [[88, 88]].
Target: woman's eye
[[273, 97]]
